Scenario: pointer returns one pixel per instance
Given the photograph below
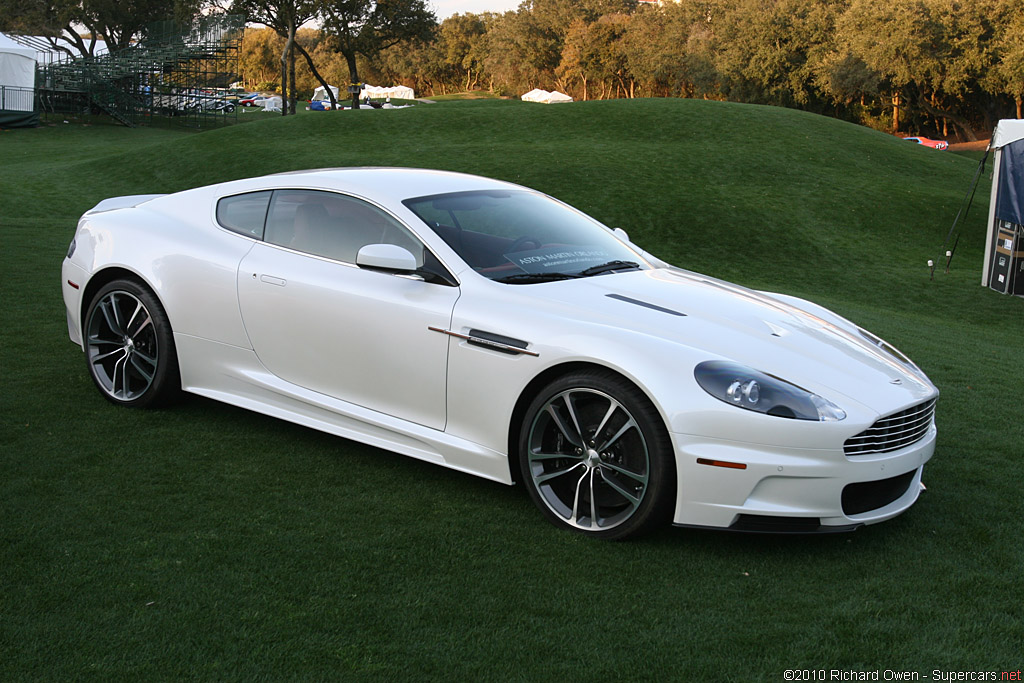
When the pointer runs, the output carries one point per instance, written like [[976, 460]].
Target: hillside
[[749, 192]]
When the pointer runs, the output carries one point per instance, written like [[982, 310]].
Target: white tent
[[1004, 242], [1007, 131], [535, 95], [545, 97], [321, 94], [272, 104], [398, 92], [17, 76]]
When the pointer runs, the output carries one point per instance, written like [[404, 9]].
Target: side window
[[333, 225], [244, 213]]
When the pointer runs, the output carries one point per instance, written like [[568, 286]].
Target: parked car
[[489, 328], [252, 100], [216, 104], [934, 144]]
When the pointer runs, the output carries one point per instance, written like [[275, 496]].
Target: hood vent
[[644, 304]]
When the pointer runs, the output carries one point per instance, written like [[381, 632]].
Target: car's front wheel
[[596, 457], [129, 347]]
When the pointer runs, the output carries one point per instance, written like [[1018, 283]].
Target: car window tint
[[244, 213], [500, 233], [333, 225]]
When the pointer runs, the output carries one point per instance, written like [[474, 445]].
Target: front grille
[[893, 432], [871, 495]]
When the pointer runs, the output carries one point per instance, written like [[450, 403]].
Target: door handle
[[271, 280]]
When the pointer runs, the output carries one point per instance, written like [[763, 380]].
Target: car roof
[[384, 183], [384, 186]]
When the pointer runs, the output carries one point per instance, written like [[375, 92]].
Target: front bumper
[[777, 489]]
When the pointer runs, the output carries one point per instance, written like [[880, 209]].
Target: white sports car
[[492, 329]]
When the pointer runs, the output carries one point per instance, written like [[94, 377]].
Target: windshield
[[519, 237]]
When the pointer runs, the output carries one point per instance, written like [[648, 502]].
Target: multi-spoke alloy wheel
[[596, 457], [128, 345]]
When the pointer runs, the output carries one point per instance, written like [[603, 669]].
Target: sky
[[445, 8]]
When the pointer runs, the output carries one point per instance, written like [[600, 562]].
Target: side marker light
[[722, 463]]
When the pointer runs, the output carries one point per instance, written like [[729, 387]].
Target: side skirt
[[235, 376]]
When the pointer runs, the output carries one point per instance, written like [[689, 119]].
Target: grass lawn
[[203, 541]]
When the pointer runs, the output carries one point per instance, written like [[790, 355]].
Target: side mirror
[[622, 235], [389, 257]]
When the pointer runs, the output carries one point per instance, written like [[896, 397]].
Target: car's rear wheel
[[596, 457], [129, 347]]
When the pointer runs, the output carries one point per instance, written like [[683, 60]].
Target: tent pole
[[990, 228]]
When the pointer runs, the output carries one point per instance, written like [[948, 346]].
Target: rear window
[[245, 214]]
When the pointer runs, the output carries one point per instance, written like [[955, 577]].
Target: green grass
[[205, 541]]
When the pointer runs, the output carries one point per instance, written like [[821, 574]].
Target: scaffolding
[[177, 72]]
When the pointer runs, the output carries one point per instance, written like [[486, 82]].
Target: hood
[[791, 339]]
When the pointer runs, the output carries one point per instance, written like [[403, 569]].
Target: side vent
[[496, 342], [491, 341]]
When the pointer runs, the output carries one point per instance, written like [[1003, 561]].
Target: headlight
[[71, 248], [749, 389]]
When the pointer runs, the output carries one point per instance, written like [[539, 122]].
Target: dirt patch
[[976, 146]]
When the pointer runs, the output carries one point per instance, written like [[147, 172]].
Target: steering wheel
[[520, 244]]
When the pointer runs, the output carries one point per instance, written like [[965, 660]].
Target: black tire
[[614, 481], [129, 347]]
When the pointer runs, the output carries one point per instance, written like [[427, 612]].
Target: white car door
[[316, 320]]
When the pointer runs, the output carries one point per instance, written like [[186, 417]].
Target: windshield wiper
[[527, 278], [607, 268]]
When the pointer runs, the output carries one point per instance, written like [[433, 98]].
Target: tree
[[462, 45], [595, 51], [671, 50], [1007, 74], [284, 17], [929, 54], [117, 22], [765, 49], [415, 63], [519, 55], [259, 59], [365, 27]]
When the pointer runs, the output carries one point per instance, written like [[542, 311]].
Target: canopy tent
[[17, 84], [320, 94], [373, 92], [545, 97], [1004, 243], [398, 92]]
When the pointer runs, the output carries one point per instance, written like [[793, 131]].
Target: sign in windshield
[[558, 259]]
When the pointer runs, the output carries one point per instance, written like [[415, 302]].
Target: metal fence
[[17, 99], [179, 72]]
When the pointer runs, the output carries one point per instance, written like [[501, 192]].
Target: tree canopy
[[943, 67], [948, 67], [118, 22]]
